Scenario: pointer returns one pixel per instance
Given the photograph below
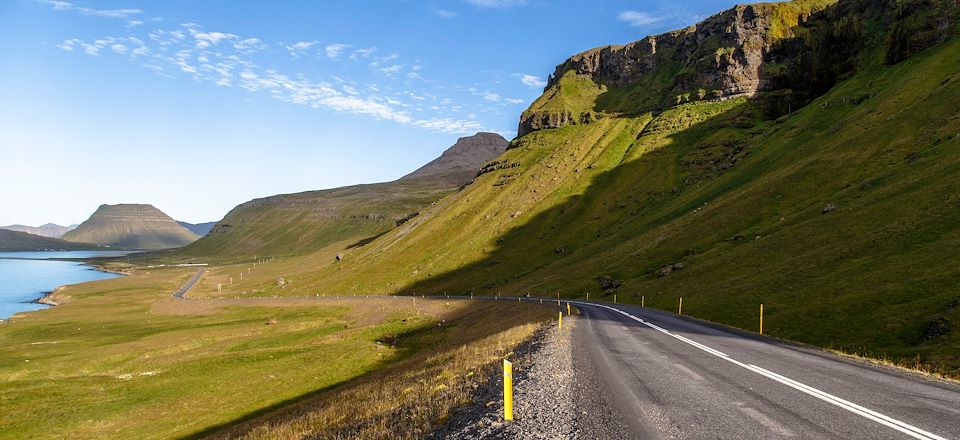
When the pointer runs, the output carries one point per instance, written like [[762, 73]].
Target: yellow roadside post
[[507, 390], [560, 321], [680, 308], [588, 296], [642, 301], [614, 298], [568, 309], [558, 298], [761, 319]]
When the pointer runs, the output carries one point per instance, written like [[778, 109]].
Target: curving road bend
[[664, 376]]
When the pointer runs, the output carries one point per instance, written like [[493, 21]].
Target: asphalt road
[[664, 376], [189, 284]]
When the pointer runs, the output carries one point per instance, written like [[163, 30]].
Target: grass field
[[121, 359]]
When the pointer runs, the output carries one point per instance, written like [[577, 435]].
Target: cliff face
[[785, 53], [131, 226]]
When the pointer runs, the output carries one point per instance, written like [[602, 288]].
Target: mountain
[[16, 241], [307, 221], [802, 155], [200, 229], [131, 226], [48, 230]]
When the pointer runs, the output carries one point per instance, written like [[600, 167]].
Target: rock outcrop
[[459, 163], [787, 52]]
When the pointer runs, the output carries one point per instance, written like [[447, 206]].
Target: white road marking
[[898, 425]]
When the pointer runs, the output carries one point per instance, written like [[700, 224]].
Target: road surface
[[664, 376], [188, 285], [655, 375]]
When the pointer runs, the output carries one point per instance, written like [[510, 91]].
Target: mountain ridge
[[50, 230], [302, 222], [17, 241]]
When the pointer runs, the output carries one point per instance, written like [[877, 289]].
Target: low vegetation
[[121, 359], [408, 399]]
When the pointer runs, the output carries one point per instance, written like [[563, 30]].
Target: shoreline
[[46, 297]]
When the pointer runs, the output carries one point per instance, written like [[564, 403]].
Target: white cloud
[[249, 46], [207, 39], [227, 60], [443, 13], [134, 23], [533, 81], [389, 70], [335, 50], [514, 101], [637, 18], [107, 13], [497, 3], [492, 97], [362, 53], [300, 47]]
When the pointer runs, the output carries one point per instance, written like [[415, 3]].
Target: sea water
[[26, 277]]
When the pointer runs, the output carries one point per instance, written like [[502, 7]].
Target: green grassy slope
[[13, 241], [739, 200], [297, 223], [290, 224]]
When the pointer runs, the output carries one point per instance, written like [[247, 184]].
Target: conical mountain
[[131, 226]]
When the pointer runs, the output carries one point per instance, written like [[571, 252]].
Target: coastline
[[50, 299]]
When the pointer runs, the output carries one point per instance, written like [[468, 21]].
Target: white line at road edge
[[905, 428]]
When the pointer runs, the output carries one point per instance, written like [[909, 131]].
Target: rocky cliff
[[131, 226], [783, 53]]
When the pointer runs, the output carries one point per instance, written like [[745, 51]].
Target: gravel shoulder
[[555, 395]]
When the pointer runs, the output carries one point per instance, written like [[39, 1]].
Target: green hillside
[[831, 199], [290, 224], [15, 241]]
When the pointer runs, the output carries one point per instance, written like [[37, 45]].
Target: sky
[[196, 107]]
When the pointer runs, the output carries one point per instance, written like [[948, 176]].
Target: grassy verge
[[120, 359], [409, 399]]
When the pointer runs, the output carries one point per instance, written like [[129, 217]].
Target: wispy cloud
[[298, 48], [401, 94], [335, 50], [533, 81], [362, 53], [107, 13], [497, 3], [443, 13], [638, 18]]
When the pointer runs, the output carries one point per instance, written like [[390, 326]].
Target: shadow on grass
[[457, 331]]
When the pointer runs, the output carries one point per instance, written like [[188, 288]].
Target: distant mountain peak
[[50, 230], [131, 226], [460, 162]]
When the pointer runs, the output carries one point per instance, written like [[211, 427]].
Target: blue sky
[[196, 107]]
